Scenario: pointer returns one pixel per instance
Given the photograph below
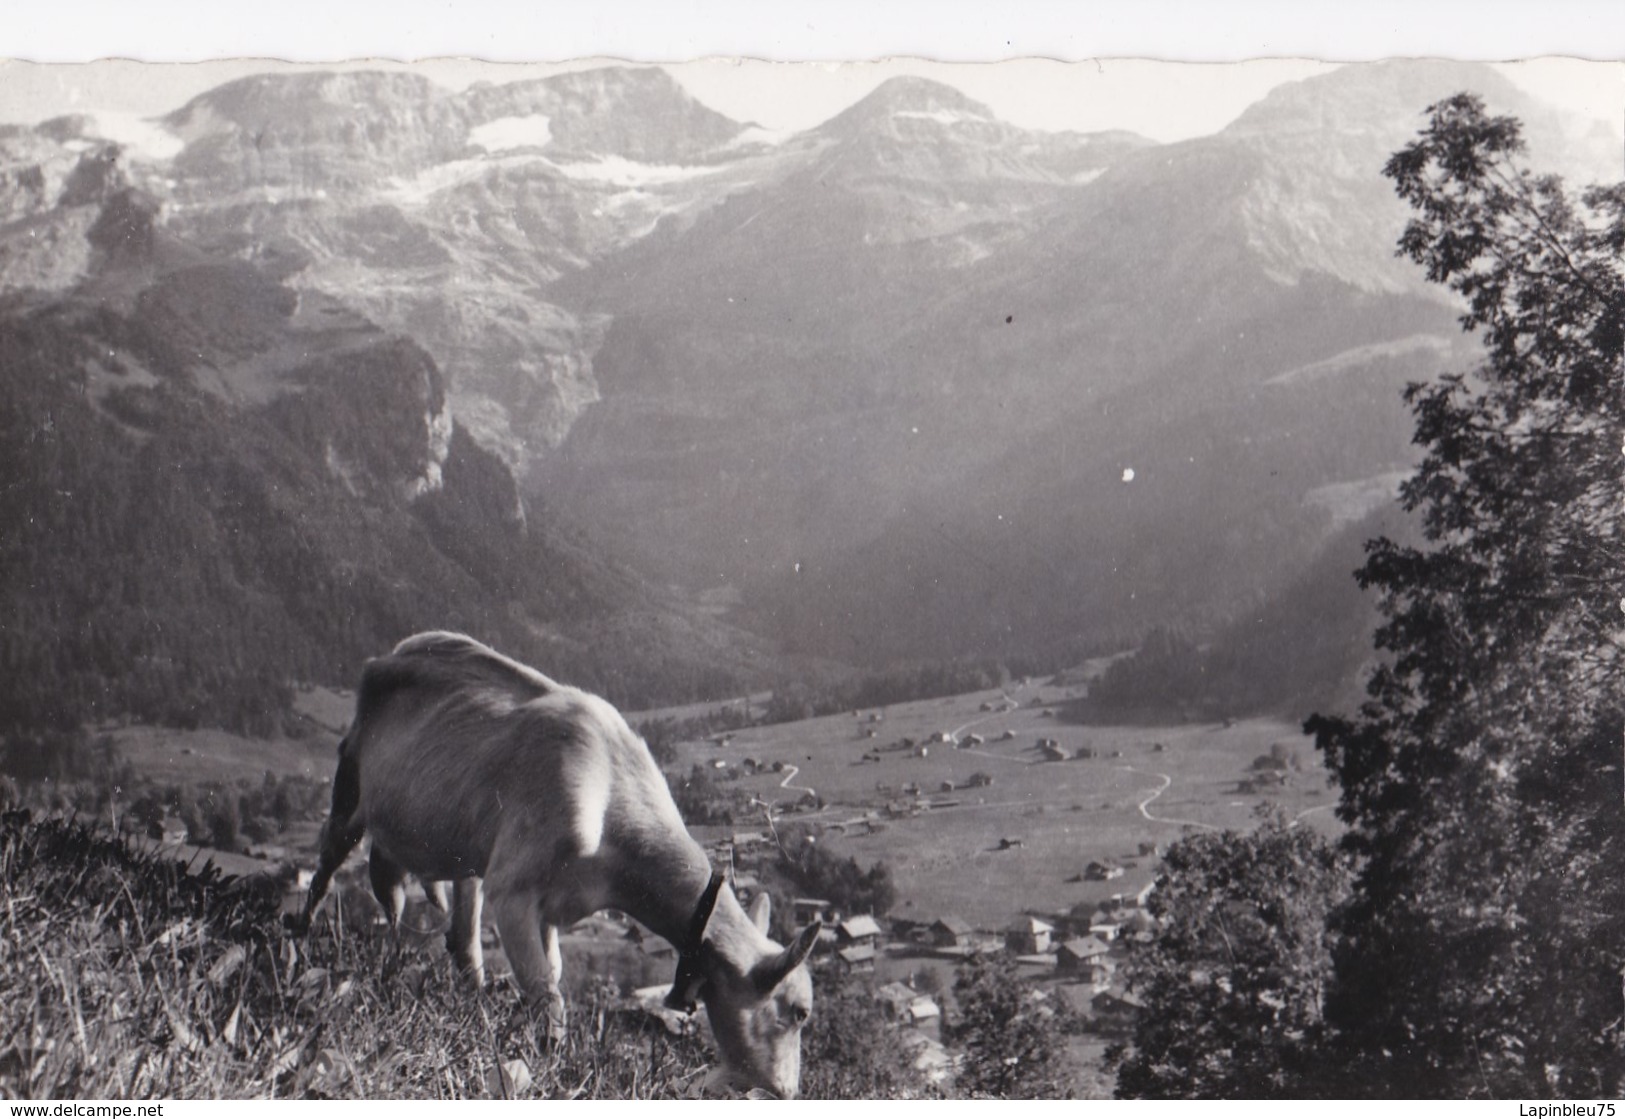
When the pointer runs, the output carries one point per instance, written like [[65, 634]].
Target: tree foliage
[[1012, 1035], [849, 1050], [808, 870], [1233, 984], [1481, 952]]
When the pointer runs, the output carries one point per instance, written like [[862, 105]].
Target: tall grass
[[124, 975]]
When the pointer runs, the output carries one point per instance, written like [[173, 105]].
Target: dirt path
[[959, 731], [790, 772], [1144, 805]]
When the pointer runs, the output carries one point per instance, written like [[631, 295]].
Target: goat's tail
[[340, 833]]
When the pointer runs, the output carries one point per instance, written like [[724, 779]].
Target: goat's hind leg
[[463, 939], [533, 955], [388, 885]]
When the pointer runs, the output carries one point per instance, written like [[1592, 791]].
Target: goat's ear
[[761, 908], [770, 973]]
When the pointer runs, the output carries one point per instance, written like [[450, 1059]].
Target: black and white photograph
[[893, 578]]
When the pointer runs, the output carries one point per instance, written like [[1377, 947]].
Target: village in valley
[[1007, 828]]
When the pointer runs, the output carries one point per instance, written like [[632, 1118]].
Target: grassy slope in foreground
[[122, 977]]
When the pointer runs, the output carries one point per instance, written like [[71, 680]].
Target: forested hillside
[[214, 488]]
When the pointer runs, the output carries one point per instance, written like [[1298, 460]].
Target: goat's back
[[454, 743]]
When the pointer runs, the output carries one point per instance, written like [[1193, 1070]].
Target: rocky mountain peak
[[637, 113], [281, 99], [1385, 98], [910, 99], [308, 132]]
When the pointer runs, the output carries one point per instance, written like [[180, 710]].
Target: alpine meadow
[[953, 610]]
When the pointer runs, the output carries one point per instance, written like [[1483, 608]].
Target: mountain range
[[912, 383]]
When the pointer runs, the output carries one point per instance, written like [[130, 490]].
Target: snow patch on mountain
[[629, 173], [139, 137], [506, 133], [756, 136], [942, 116], [421, 187]]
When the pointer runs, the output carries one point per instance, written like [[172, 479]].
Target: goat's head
[[757, 994]]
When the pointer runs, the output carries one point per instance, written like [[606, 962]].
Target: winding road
[[790, 772], [1144, 805]]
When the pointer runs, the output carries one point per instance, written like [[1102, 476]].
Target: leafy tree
[[1012, 1035], [849, 1050], [1234, 981], [700, 799], [813, 871], [1481, 952]]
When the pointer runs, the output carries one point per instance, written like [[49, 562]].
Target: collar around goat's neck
[[683, 987]]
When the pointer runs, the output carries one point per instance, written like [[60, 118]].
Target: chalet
[[924, 1014], [1029, 936], [1075, 956], [951, 932], [1102, 871], [894, 999], [1106, 930], [979, 780], [857, 957], [903, 1005], [862, 929], [946, 787], [1007, 736], [1116, 1008], [1267, 781], [808, 910], [972, 740], [1102, 972]]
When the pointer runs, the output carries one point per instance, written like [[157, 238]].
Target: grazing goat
[[470, 767]]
